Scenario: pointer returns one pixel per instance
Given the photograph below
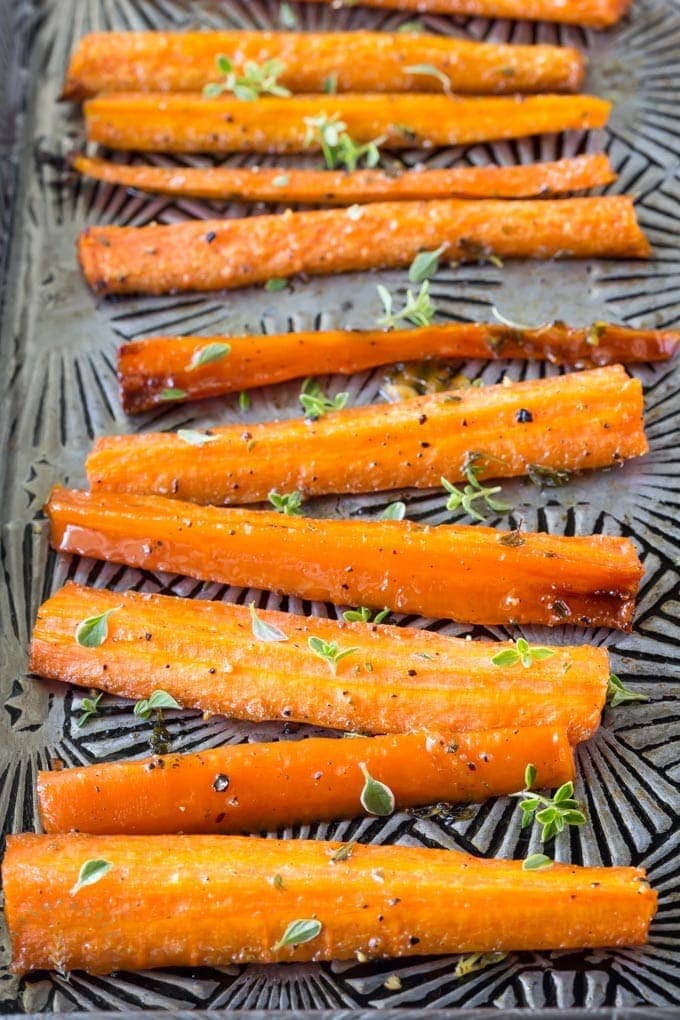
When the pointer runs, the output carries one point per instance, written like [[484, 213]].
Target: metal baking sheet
[[58, 386]]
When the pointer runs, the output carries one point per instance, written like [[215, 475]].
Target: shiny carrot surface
[[399, 679], [475, 574], [356, 61], [589, 13], [189, 901]]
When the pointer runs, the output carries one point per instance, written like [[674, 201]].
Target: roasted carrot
[[355, 61], [588, 13], [148, 368], [229, 253], [188, 901], [567, 423], [399, 679], [339, 187], [459, 572], [187, 122], [262, 787]]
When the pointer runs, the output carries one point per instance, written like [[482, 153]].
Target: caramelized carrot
[[149, 367], [187, 122], [474, 574], [355, 61], [566, 423], [400, 679], [229, 253], [588, 13], [188, 901], [339, 187], [262, 787]]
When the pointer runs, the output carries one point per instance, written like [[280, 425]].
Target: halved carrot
[[572, 422], [187, 122], [354, 61], [188, 901], [150, 367], [588, 13], [339, 187], [265, 786], [400, 679], [474, 574], [229, 253]]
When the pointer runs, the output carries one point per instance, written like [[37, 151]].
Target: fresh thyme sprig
[[474, 490], [522, 652], [329, 652], [90, 707], [365, 615], [288, 503], [316, 404], [338, 147], [156, 702], [552, 813], [617, 694], [91, 871], [255, 80], [418, 309]]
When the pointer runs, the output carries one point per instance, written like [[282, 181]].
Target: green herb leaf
[[476, 961], [298, 932], [329, 651], [376, 798], [156, 701], [338, 148], [194, 438], [91, 871], [394, 512], [211, 352], [365, 615], [244, 400], [425, 264], [93, 631], [418, 309], [172, 393], [537, 862], [529, 776], [316, 404], [473, 491], [522, 652], [254, 81], [344, 852], [287, 503], [287, 17], [432, 72], [264, 631], [617, 694], [275, 284], [410, 28], [90, 707], [553, 814], [330, 84]]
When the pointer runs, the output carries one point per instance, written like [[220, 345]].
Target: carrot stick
[[459, 572], [149, 367], [187, 122], [338, 187], [229, 253], [417, 679], [566, 423], [355, 61], [263, 787], [187, 901], [588, 13]]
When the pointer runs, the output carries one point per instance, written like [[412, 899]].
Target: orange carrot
[[355, 61], [188, 901], [149, 367], [229, 253], [474, 574], [567, 423], [262, 787], [339, 187], [187, 122], [588, 13], [400, 679]]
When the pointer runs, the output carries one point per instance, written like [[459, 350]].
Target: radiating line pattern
[[59, 390]]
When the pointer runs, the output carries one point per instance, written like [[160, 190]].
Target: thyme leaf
[[338, 148], [254, 81], [90, 707], [287, 503], [365, 615], [329, 652], [94, 630], [522, 652], [298, 932], [316, 404], [552, 813], [156, 701], [264, 631], [91, 871], [617, 694], [376, 798]]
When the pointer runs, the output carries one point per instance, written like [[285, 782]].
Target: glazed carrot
[[149, 367], [588, 13], [474, 574], [188, 901], [417, 679], [356, 62], [187, 122], [262, 787], [566, 423], [338, 187], [229, 253]]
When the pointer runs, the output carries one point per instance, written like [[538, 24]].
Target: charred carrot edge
[[186, 122], [335, 187], [583, 420], [475, 574], [589, 13], [225, 254], [263, 787], [223, 902], [148, 368], [356, 61], [399, 679]]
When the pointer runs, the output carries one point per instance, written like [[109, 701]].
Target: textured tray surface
[[59, 390]]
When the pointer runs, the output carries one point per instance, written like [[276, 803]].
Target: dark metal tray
[[58, 387]]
